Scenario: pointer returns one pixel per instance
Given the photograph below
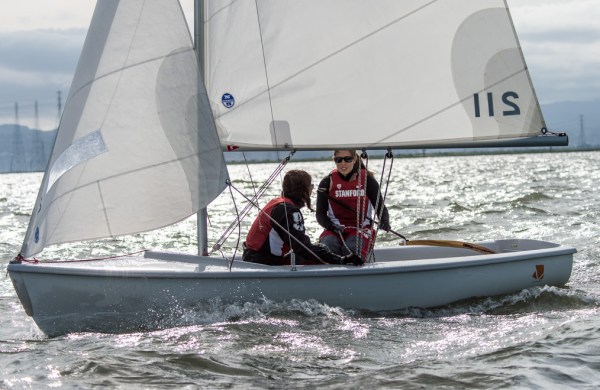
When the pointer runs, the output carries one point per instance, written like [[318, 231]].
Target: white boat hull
[[131, 294]]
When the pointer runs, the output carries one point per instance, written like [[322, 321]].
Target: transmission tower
[[17, 162], [37, 162], [582, 143], [59, 112], [36, 123]]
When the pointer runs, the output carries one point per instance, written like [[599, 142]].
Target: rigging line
[[344, 205], [370, 253], [262, 46], [235, 223], [357, 208], [250, 175], [37, 261], [333, 54], [287, 222], [344, 242], [384, 196], [361, 209], [442, 110], [239, 220], [281, 227], [239, 227], [379, 192], [387, 182], [248, 207]]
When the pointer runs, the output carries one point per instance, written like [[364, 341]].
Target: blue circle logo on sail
[[37, 234], [228, 100]]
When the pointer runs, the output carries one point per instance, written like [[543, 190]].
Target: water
[[538, 338]]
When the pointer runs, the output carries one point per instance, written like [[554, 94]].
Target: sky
[[40, 42]]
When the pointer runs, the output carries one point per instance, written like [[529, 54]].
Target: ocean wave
[[535, 299], [435, 232], [455, 207], [531, 198]]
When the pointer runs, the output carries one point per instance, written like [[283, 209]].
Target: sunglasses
[[347, 159]]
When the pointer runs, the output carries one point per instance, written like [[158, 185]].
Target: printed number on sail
[[510, 105]]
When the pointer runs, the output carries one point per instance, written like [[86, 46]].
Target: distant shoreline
[[430, 153]]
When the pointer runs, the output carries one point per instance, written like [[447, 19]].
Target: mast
[[202, 215]]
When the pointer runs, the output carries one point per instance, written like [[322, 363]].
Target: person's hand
[[385, 225], [336, 228], [352, 259]]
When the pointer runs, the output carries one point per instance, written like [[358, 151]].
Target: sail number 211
[[508, 99]]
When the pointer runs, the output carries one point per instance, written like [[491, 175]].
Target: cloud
[[561, 43], [27, 15], [24, 78], [41, 50], [40, 42], [554, 15], [34, 67]]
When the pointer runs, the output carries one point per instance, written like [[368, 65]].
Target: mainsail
[[136, 148], [328, 74]]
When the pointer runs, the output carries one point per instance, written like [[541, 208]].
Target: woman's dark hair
[[297, 186]]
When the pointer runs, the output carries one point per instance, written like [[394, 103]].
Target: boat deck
[[400, 258]]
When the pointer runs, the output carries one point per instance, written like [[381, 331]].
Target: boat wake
[[216, 312], [538, 299]]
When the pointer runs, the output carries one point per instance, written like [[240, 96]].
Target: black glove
[[352, 259], [336, 228], [384, 225]]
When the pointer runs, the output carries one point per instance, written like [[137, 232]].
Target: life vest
[[261, 230], [353, 195]]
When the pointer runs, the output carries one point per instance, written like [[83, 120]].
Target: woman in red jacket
[[346, 199], [279, 229]]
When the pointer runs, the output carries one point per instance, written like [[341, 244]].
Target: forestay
[[318, 74], [136, 147]]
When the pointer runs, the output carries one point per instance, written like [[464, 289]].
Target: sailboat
[[150, 115]]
